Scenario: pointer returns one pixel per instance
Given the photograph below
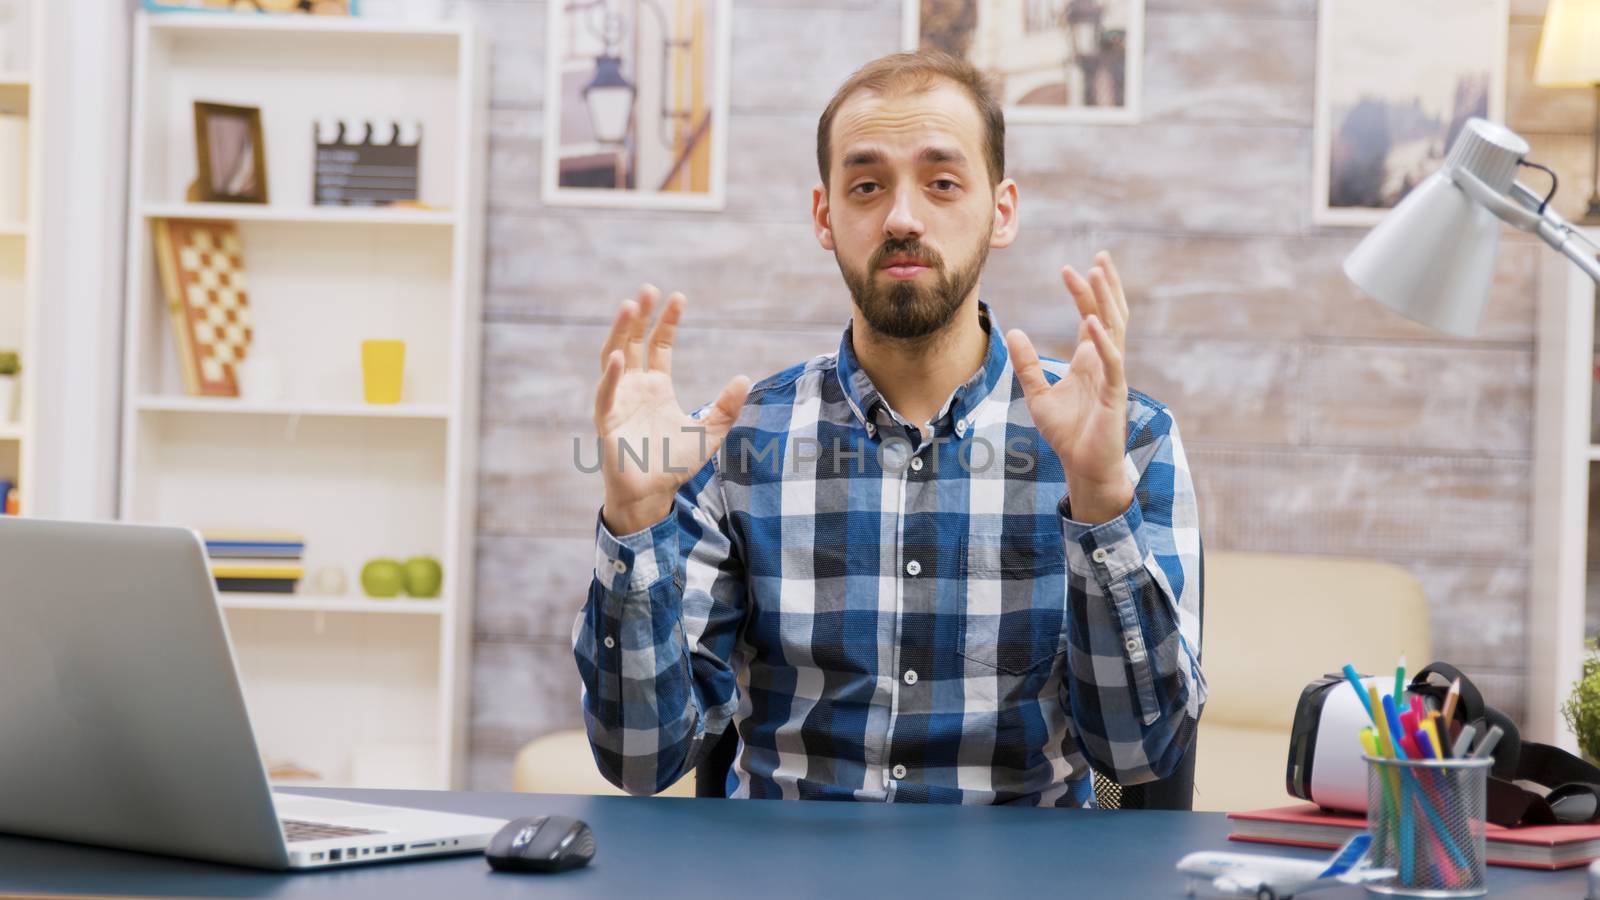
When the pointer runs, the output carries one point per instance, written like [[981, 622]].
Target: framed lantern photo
[[636, 105], [1389, 104], [231, 154], [1047, 60]]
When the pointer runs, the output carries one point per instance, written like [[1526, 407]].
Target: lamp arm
[[1521, 211]]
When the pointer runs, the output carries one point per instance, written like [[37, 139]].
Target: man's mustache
[[925, 255]]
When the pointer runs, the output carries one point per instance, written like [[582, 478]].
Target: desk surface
[[667, 847]]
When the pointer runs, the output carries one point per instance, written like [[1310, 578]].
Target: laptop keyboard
[[295, 830]]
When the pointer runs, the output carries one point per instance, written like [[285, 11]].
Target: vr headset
[[1325, 764]]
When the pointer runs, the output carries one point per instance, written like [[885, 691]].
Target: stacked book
[[1526, 846], [256, 562]]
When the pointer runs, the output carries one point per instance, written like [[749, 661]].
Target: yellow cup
[[383, 367]]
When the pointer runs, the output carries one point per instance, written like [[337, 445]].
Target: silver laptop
[[122, 723]]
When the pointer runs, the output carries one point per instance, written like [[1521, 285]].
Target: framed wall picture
[[1049, 60], [636, 103], [1395, 84], [313, 7], [231, 154]]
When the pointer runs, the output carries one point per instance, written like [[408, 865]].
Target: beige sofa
[[1273, 623]]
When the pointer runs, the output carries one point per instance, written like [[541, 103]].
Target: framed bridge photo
[[1048, 60]]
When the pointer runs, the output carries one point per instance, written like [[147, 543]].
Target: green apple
[[382, 578], [424, 576]]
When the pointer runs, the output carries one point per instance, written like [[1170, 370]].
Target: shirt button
[[961, 427], [911, 676], [899, 772], [1132, 644], [913, 567], [619, 566], [610, 642], [916, 464], [1099, 554]]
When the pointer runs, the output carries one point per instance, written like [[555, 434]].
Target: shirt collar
[[865, 399]]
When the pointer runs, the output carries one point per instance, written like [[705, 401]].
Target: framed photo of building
[[1049, 60], [636, 103], [1395, 84]]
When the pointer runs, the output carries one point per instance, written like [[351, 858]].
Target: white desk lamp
[[1431, 259]]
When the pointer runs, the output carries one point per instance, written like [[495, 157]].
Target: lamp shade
[[1431, 259], [1569, 47], [610, 99]]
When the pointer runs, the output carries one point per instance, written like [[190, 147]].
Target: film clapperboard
[[363, 162]]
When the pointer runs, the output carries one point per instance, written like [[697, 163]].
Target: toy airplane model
[[1212, 874]]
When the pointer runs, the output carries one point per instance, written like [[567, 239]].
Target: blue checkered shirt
[[889, 615]]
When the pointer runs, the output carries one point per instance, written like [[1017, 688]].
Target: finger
[[1110, 356], [606, 395], [1081, 292], [1025, 360], [619, 331], [1109, 313], [635, 346], [725, 411], [660, 355], [1117, 290]]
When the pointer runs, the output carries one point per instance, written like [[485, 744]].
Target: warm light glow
[[1569, 48]]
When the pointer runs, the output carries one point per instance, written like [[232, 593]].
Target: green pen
[[1400, 682]]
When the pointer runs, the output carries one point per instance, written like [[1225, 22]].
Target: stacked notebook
[[256, 562], [1528, 847]]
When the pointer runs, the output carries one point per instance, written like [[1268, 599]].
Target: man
[[828, 563]]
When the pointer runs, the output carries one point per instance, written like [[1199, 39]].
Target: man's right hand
[[636, 405]]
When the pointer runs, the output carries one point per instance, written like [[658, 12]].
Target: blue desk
[[713, 849]]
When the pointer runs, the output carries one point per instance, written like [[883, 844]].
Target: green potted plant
[[10, 368], [1582, 709]]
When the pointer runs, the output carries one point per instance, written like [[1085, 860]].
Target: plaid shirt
[[888, 615]]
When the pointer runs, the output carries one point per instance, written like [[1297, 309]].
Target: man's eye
[[865, 184], [945, 184]]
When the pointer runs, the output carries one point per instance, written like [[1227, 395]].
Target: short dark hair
[[916, 73]]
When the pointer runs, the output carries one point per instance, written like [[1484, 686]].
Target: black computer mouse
[[541, 844]]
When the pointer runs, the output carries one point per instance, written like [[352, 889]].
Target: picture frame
[[230, 154], [1048, 60], [1387, 106], [636, 114], [268, 7]]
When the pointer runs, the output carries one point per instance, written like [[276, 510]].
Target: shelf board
[[11, 431], [212, 21], [1594, 453], [346, 604], [14, 79], [226, 406], [13, 229], [304, 215]]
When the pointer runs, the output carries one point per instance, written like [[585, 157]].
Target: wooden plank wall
[[1315, 421]]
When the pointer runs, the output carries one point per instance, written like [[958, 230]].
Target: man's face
[[909, 213]]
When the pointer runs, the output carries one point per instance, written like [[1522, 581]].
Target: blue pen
[[1426, 743], [1355, 682], [1394, 726]]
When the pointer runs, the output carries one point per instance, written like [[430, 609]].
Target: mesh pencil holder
[[1427, 821]]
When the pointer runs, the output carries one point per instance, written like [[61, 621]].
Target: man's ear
[[1005, 215], [820, 220]]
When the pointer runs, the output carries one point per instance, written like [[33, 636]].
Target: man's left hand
[[1084, 416]]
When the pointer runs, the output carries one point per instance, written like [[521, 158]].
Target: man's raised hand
[[635, 405]]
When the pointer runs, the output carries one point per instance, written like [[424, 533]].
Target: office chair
[[1176, 791]]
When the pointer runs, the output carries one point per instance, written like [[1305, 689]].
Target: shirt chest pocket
[[1014, 613]]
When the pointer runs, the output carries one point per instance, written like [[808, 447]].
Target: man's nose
[[903, 221]]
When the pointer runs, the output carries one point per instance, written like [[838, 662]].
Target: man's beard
[[908, 309]]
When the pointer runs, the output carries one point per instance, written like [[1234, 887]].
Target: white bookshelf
[[1565, 454], [19, 251], [367, 692]]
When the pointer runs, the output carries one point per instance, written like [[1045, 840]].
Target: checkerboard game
[[202, 276]]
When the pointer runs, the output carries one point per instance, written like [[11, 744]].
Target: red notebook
[[1528, 847]]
